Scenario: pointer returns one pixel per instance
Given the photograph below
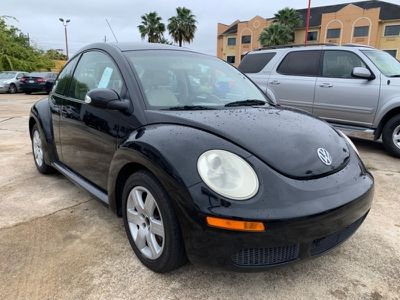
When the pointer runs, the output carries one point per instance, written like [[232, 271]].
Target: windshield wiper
[[397, 75], [247, 102], [190, 107]]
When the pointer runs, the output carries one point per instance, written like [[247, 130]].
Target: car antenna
[[108, 23]]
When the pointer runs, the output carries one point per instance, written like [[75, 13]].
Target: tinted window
[[312, 36], [95, 70], [231, 41], [246, 39], [301, 63], [392, 30], [230, 59], [361, 31], [340, 64], [333, 33], [65, 77], [254, 63]]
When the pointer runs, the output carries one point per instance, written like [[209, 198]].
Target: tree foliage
[[152, 27], [55, 54], [16, 53], [281, 31], [182, 27]]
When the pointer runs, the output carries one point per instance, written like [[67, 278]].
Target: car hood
[[5, 80], [285, 139]]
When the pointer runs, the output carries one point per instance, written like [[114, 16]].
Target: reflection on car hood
[[4, 81], [286, 139]]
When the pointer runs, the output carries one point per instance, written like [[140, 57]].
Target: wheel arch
[[390, 114]]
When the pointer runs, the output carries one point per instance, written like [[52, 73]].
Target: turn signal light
[[235, 225]]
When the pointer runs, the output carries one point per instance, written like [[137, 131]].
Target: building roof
[[389, 11]]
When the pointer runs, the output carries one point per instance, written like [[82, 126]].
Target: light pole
[[65, 23], [307, 22]]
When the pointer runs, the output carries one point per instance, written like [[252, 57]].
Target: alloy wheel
[[145, 222], [37, 148], [396, 136]]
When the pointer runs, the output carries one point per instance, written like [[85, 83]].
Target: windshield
[[387, 64], [184, 79], [7, 75]]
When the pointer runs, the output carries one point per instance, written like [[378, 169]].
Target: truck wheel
[[391, 136]]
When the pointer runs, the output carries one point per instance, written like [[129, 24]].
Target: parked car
[[38, 82], [355, 88], [10, 81], [197, 161]]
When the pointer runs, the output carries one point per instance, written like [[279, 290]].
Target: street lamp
[[65, 23]]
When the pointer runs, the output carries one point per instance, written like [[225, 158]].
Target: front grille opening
[[265, 256]]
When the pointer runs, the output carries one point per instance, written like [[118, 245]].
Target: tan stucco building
[[374, 23]]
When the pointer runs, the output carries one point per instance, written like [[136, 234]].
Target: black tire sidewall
[[12, 89], [173, 254], [387, 136]]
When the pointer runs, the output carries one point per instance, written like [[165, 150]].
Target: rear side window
[[301, 63], [254, 63], [65, 77]]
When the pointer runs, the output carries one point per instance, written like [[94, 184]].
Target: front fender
[[170, 152], [41, 115]]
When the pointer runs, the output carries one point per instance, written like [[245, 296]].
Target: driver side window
[[95, 70], [340, 64]]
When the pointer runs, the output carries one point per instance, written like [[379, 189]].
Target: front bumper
[[302, 219], [4, 88]]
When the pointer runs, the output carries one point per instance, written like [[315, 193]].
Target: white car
[[9, 81]]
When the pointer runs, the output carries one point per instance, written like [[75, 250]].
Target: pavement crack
[[45, 216], [6, 119]]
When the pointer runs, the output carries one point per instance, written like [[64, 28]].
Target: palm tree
[[276, 34], [182, 26], [288, 16], [152, 27]]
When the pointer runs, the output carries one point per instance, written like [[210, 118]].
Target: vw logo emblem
[[324, 156]]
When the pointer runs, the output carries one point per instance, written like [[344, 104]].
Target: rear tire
[[39, 152], [391, 136], [151, 223], [12, 89]]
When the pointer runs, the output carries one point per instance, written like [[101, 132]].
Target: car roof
[[134, 47], [310, 47]]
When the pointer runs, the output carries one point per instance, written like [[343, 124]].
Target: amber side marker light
[[235, 225]]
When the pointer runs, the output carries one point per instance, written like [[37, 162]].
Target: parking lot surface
[[57, 242]]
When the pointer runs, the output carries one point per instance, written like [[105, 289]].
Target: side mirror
[[360, 72], [107, 99]]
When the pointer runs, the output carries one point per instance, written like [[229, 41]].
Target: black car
[[197, 161], [38, 82]]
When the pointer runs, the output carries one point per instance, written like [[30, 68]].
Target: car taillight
[[41, 80], [23, 79]]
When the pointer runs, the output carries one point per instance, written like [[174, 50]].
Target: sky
[[39, 18]]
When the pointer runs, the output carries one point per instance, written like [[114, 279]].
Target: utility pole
[[307, 22], [65, 23]]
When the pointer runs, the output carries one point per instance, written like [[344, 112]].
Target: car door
[[293, 81], [342, 98], [89, 134]]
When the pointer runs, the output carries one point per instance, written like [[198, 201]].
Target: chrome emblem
[[324, 156]]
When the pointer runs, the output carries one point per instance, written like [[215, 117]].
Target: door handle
[[275, 82], [326, 85]]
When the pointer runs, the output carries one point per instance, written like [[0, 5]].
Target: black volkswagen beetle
[[197, 161]]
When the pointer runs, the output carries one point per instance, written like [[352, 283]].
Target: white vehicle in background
[[10, 81]]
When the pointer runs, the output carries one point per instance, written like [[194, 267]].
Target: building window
[[391, 30], [231, 41], [230, 59], [392, 52], [246, 39], [360, 31], [333, 33], [312, 36]]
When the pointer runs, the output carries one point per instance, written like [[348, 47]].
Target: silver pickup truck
[[355, 88]]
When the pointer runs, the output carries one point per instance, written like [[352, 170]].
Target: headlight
[[349, 141], [227, 174]]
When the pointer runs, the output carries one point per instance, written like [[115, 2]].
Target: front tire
[[391, 136], [39, 152], [151, 223], [12, 88]]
